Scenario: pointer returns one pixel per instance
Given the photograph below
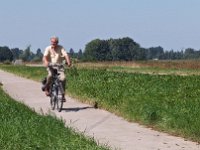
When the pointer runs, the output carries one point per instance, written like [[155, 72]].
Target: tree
[[71, 52], [103, 50], [39, 53], [38, 56], [113, 49], [155, 53], [123, 49], [189, 53], [80, 54], [5, 54], [134, 52], [16, 53], [27, 54], [140, 54], [92, 50]]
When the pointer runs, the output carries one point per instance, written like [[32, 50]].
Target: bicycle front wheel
[[60, 97], [53, 98]]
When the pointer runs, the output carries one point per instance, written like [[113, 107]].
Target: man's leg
[[47, 86]]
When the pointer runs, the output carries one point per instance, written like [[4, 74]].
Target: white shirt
[[55, 55]]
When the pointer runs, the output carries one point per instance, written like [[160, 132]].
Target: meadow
[[156, 98]]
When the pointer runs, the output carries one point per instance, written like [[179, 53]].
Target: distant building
[[18, 62], [156, 59]]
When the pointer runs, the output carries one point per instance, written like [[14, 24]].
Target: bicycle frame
[[56, 89]]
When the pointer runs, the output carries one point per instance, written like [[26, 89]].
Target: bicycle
[[56, 89]]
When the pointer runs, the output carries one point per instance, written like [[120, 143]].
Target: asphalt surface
[[104, 127]]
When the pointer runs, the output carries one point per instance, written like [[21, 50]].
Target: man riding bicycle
[[55, 54]]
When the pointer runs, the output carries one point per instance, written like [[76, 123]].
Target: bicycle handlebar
[[55, 65]]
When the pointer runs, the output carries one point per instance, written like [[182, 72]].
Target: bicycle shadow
[[75, 109]]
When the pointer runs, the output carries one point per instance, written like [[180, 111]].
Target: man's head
[[54, 41]]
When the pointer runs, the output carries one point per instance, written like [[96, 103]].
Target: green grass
[[21, 128], [165, 102], [35, 73]]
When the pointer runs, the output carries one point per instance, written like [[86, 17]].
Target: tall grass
[[181, 67], [166, 64]]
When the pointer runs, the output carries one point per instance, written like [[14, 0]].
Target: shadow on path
[[75, 109]]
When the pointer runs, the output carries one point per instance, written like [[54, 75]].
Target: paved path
[[102, 125]]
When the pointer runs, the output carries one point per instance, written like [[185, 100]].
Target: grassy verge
[[165, 102], [35, 73], [21, 128]]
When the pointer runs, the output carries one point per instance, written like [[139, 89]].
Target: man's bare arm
[[45, 61], [68, 60]]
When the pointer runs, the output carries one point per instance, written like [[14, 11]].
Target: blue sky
[[172, 24]]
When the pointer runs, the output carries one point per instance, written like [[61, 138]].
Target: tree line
[[122, 49], [127, 49], [7, 54]]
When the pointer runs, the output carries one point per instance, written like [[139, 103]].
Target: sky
[[171, 24]]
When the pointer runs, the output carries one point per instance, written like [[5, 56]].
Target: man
[[55, 54]]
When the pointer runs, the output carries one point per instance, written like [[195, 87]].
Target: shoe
[[47, 93], [44, 81], [43, 88], [63, 100]]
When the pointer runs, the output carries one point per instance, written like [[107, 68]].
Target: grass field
[[168, 102], [189, 67], [21, 128], [165, 64]]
